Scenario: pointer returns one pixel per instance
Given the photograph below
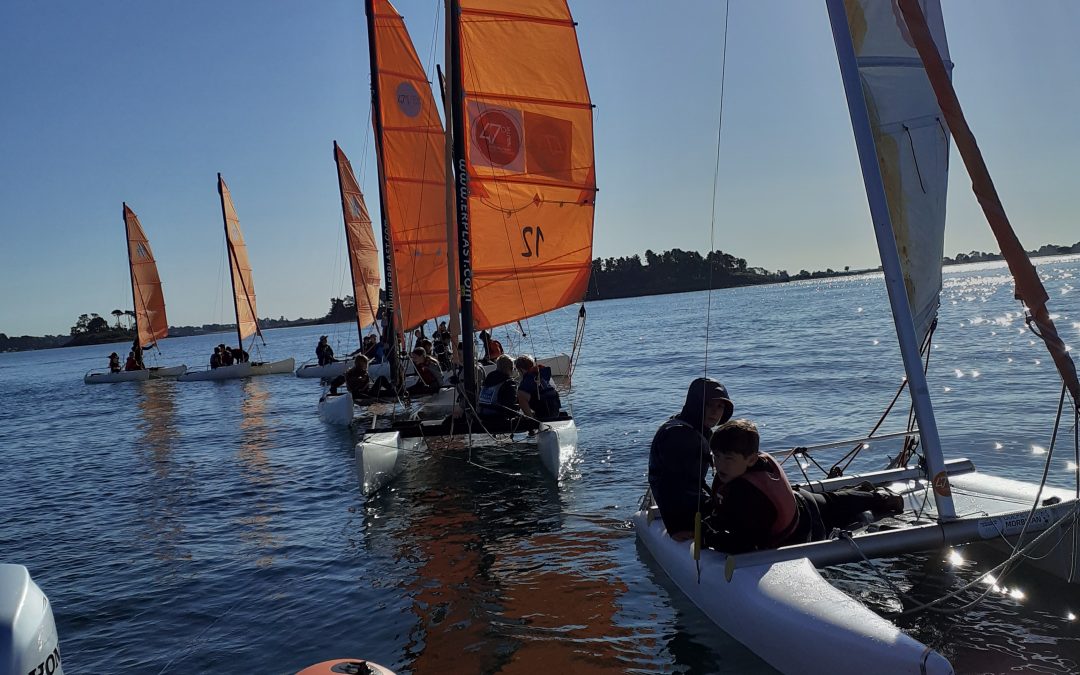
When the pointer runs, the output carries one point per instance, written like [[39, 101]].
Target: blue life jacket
[[543, 397]]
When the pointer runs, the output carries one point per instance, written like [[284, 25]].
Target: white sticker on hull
[[1013, 524]]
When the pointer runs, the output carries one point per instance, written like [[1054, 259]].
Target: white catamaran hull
[[556, 443], [323, 372], [106, 377], [237, 370], [380, 457], [165, 372], [273, 367], [787, 614], [336, 409]]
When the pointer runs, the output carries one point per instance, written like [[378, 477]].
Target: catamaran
[[519, 218], [247, 321], [151, 324], [894, 63]]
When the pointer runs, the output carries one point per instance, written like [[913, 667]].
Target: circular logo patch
[[408, 99], [497, 136]]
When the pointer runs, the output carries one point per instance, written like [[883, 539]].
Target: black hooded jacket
[[679, 460]]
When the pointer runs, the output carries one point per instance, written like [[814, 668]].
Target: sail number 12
[[536, 235]]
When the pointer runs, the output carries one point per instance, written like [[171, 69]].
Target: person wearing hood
[[680, 456]]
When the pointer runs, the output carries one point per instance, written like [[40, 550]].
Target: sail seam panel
[[554, 102]]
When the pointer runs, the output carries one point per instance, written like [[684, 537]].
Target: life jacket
[[543, 397], [773, 483], [489, 396]]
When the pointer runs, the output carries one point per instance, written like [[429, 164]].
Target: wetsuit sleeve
[[677, 462], [742, 521]]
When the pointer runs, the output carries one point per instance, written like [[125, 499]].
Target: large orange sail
[[247, 323], [150, 320], [363, 253], [412, 168], [528, 120]]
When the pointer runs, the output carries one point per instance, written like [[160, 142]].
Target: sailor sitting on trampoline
[[755, 507]]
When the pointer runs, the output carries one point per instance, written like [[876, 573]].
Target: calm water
[[184, 528]]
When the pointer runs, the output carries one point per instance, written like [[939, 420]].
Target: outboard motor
[[28, 641]]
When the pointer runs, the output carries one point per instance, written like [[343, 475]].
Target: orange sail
[[150, 321], [528, 118], [363, 254], [412, 168], [247, 323]]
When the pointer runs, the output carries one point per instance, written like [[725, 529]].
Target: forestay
[[528, 121]]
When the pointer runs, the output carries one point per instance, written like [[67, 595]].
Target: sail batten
[[529, 147], [151, 323], [360, 240], [247, 322]]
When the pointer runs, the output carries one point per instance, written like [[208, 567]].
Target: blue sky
[[145, 102]]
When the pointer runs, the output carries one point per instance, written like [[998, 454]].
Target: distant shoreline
[[599, 289]]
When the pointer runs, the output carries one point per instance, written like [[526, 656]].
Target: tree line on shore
[[673, 271]]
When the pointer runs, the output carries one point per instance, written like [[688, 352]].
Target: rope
[[708, 304]]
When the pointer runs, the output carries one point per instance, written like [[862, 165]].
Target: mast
[[890, 260], [232, 261], [390, 333], [345, 216], [131, 273], [451, 269], [461, 184]]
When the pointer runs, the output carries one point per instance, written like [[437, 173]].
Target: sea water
[[214, 526]]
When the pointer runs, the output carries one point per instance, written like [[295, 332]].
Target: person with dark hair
[[537, 396], [114, 363], [215, 359], [324, 352], [429, 372], [679, 458], [755, 507], [493, 349], [136, 351], [131, 363]]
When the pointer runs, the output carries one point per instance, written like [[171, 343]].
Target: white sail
[[912, 142]]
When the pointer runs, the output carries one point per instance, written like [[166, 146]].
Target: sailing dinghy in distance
[[524, 191], [894, 63], [364, 268], [151, 323], [243, 285]]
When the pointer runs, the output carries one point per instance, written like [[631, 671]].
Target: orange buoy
[[346, 667]]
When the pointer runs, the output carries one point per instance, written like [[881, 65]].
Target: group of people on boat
[[227, 356], [134, 359], [750, 504], [531, 395]]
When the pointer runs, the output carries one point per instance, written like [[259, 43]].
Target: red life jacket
[[773, 483], [494, 349]]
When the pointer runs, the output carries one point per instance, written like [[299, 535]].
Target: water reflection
[[256, 436], [497, 581], [168, 485]]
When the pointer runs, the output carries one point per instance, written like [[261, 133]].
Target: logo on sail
[[496, 137], [408, 99]]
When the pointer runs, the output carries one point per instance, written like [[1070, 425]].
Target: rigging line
[[708, 306]]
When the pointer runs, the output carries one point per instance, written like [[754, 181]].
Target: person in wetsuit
[[324, 352], [114, 363], [679, 457], [755, 507]]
